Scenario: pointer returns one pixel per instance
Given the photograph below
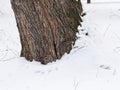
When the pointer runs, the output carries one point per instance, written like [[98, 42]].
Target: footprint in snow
[[46, 71], [117, 50], [1, 13], [105, 67], [39, 72]]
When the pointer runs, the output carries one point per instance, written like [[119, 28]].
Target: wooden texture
[[47, 27]]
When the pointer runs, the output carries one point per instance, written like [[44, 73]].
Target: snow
[[93, 64]]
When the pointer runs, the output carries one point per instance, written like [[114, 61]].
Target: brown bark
[[47, 27]]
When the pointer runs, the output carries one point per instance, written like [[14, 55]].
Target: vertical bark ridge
[[52, 28]]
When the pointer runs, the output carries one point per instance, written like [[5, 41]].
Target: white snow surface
[[93, 64]]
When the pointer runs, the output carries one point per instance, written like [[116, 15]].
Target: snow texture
[[93, 64]]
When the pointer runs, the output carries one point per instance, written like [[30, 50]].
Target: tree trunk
[[88, 1], [47, 27]]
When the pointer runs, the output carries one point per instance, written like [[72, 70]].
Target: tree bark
[[47, 27]]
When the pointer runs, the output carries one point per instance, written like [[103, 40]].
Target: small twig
[[78, 48], [8, 59], [117, 36], [6, 52], [76, 83], [14, 52], [107, 29]]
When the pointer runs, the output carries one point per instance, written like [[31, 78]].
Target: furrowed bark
[[47, 27]]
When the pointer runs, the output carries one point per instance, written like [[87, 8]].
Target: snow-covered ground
[[93, 64]]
